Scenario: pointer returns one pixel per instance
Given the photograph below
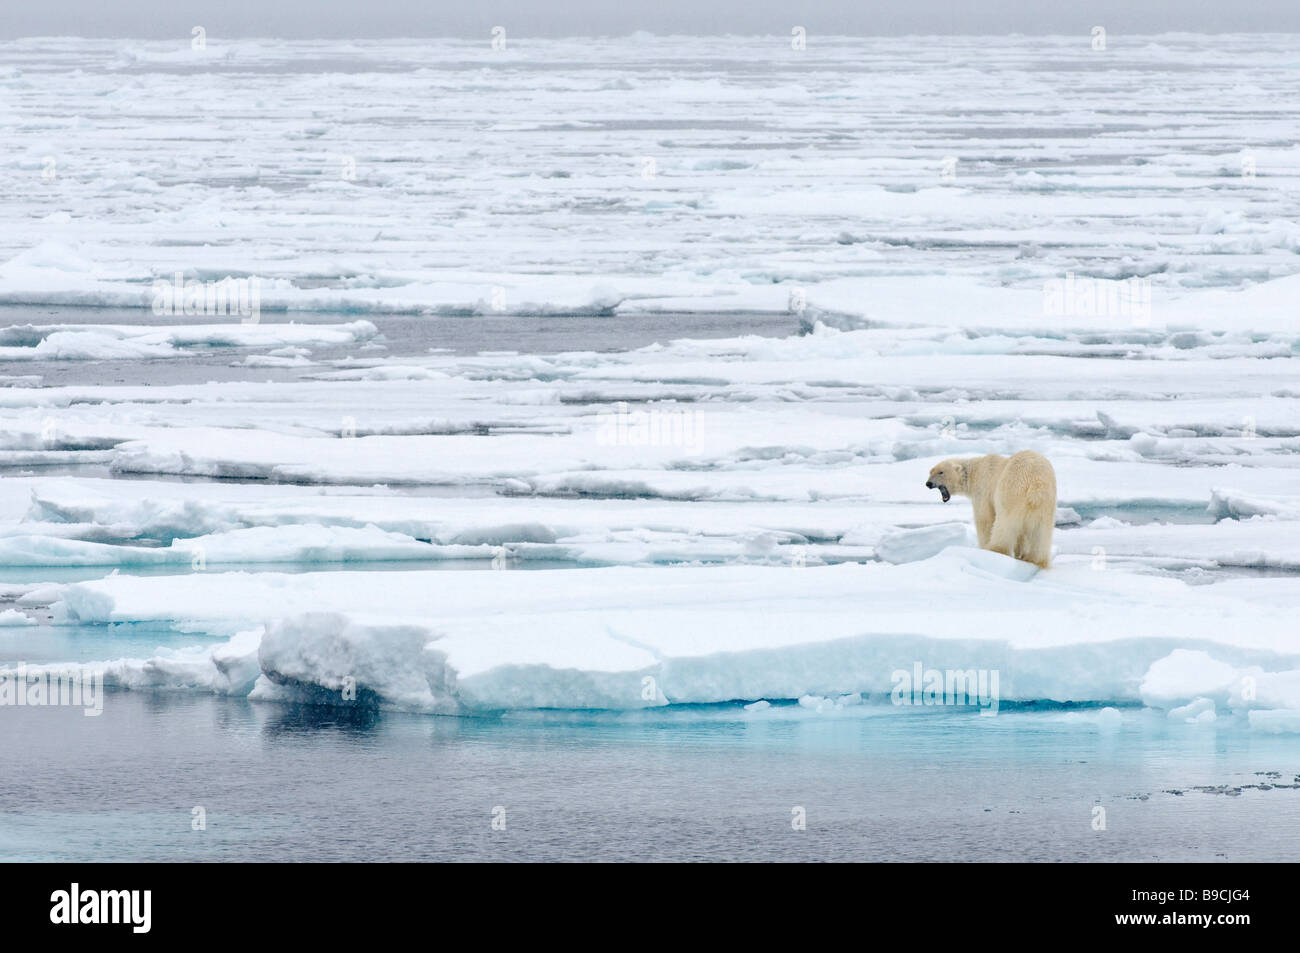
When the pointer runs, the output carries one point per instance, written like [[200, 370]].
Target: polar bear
[[1014, 501]]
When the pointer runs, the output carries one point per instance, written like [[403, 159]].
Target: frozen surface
[[606, 175], [630, 638], [731, 517], [97, 342]]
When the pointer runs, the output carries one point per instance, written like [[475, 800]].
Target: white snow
[[738, 519]]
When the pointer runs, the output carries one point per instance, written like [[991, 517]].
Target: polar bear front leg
[[1003, 538], [984, 519]]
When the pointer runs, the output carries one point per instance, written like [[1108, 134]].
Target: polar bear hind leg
[[1035, 543], [1025, 501]]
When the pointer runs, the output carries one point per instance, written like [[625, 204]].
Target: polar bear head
[[948, 477]]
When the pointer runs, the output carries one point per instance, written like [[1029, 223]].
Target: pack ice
[[722, 517], [626, 637]]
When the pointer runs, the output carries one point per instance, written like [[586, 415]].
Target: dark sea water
[[289, 783]]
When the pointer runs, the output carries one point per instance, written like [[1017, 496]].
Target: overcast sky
[[373, 18]]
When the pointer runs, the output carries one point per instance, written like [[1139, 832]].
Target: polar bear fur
[[1014, 499]]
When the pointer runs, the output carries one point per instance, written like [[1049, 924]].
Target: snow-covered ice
[[619, 174], [598, 637], [734, 519], [97, 342]]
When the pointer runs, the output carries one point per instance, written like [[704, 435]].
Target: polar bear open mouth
[[943, 490]]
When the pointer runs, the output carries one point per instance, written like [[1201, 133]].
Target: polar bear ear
[[959, 470]]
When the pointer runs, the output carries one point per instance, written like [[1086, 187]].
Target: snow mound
[[910, 545]]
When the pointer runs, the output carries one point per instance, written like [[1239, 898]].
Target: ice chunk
[[910, 545], [624, 638], [1230, 504], [1198, 711], [1186, 674]]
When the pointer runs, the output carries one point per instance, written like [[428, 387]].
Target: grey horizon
[[334, 19]]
